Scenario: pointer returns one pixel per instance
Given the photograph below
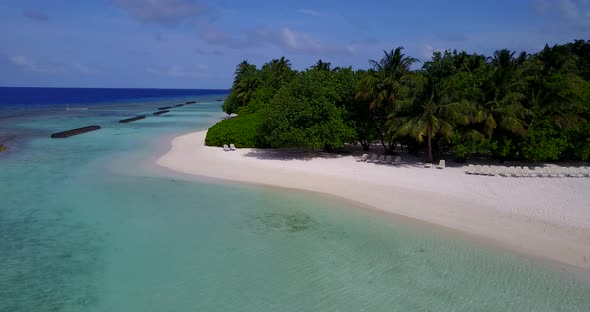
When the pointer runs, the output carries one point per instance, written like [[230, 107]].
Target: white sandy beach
[[546, 217]]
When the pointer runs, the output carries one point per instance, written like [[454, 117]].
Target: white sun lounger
[[232, 147], [493, 171], [363, 158], [397, 161], [381, 159], [478, 169], [372, 159], [585, 171], [225, 147], [470, 169], [485, 170], [387, 160], [505, 172], [441, 164]]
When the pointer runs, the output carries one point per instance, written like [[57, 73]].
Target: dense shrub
[[241, 131], [544, 143]]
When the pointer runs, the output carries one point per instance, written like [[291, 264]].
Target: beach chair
[[532, 172], [493, 171], [372, 159], [527, 172], [575, 172], [441, 164], [225, 147], [470, 169], [485, 170], [387, 160], [585, 171], [478, 170], [428, 165], [232, 147], [559, 172], [397, 161], [363, 158], [381, 159]]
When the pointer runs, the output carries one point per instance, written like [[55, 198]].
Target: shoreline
[[426, 195]]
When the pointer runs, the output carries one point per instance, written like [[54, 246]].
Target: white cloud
[[34, 66], [308, 12], [567, 15], [163, 12], [192, 71], [84, 69]]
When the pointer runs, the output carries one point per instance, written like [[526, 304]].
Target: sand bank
[[543, 217]]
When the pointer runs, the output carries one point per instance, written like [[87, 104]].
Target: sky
[[197, 43]]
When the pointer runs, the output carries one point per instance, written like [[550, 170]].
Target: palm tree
[[551, 87], [280, 70], [383, 85], [243, 69], [499, 101], [434, 114], [245, 89], [322, 66]]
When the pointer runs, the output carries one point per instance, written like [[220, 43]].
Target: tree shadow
[[290, 154]]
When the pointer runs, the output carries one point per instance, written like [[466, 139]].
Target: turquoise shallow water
[[87, 225]]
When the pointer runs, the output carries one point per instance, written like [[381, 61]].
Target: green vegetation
[[3, 148], [522, 106]]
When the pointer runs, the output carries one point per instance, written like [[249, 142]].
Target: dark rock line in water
[[131, 119], [69, 133]]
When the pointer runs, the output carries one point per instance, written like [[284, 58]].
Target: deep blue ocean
[[26, 97]]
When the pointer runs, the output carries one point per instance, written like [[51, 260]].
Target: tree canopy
[[510, 105]]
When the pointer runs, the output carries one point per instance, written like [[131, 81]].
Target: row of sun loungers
[[526, 172], [231, 147], [386, 160]]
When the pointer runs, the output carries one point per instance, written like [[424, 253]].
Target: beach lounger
[[470, 169], [585, 171], [532, 172], [232, 147], [363, 158], [493, 171], [372, 159], [575, 172], [225, 147], [397, 161], [505, 172], [478, 169], [381, 159], [441, 164], [428, 165], [527, 172], [511, 171], [387, 160], [485, 170], [559, 172]]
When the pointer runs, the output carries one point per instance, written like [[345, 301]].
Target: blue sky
[[197, 43]]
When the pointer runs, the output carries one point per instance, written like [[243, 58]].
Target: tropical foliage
[[509, 105]]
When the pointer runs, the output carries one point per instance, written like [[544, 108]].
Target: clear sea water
[[87, 223]]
